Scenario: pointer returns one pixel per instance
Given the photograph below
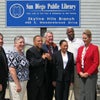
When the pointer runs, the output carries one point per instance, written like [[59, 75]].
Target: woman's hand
[[18, 87], [86, 75], [81, 74]]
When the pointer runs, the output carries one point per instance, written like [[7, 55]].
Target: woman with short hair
[[18, 70]]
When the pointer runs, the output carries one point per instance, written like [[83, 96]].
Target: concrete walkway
[[7, 95], [71, 97]]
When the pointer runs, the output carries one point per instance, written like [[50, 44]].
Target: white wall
[[90, 19]]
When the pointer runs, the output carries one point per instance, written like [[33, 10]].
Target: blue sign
[[42, 13]]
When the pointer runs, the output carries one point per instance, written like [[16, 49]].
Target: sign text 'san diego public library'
[[42, 13]]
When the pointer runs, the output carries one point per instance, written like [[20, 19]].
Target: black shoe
[[6, 99]]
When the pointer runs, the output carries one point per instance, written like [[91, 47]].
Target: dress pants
[[76, 85], [50, 91], [88, 87], [35, 92], [62, 90], [2, 93]]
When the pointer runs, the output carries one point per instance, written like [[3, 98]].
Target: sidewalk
[[71, 97], [7, 94]]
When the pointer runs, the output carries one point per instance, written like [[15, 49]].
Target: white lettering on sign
[[29, 6], [66, 6], [53, 6], [38, 6]]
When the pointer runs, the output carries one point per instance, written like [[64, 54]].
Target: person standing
[[50, 47], [87, 67], [18, 70], [36, 87], [3, 70], [63, 71], [73, 45]]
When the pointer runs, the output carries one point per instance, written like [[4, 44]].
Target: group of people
[[47, 71]]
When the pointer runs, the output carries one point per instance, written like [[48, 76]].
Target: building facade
[[89, 19]]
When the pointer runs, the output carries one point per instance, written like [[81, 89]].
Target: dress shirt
[[83, 55], [65, 60], [74, 45]]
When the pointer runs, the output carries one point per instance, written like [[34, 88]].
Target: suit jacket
[[91, 60], [59, 73], [3, 66], [49, 66], [37, 65], [54, 47]]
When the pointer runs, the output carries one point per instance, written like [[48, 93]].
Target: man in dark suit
[[3, 70], [63, 71], [36, 89], [50, 47]]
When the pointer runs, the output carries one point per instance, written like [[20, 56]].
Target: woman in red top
[[87, 67]]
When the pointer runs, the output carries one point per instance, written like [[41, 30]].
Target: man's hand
[[48, 56], [54, 83], [43, 56], [0, 87]]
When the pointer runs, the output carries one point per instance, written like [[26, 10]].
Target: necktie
[[50, 50]]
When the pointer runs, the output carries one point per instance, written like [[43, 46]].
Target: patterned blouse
[[20, 63]]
